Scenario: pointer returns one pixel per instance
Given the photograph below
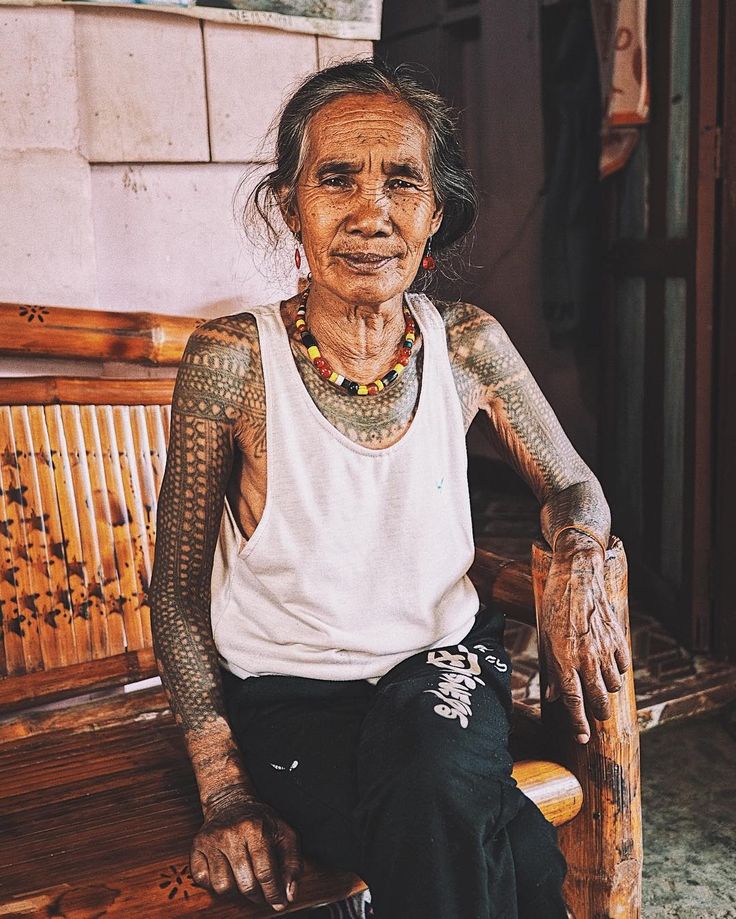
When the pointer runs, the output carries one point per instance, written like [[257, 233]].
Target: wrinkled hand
[[584, 646], [245, 846]]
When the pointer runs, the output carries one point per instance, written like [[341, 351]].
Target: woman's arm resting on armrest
[[585, 648], [243, 844]]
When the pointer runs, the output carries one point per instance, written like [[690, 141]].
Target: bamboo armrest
[[603, 845]]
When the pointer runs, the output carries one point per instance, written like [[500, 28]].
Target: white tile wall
[[334, 50], [167, 240], [46, 243], [141, 87], [151, 225], [249, 73], [38, 79]]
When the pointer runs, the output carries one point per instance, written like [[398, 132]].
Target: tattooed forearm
[[213, 394], [491, 375], [581, 507]]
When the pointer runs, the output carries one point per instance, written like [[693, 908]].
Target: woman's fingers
[[199, 868], [571, 694], [622, 654], [610, 673], [291, 861], [268, 873], [594, 690], [245, 876], [221, 875]]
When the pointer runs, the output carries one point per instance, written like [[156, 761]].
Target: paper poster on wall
[[359, 19]]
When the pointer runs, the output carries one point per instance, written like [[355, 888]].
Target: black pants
[[407, 783]]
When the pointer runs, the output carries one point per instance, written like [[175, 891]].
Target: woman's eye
[[335, 181], [401, 183]]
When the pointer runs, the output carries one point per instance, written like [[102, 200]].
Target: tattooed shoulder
[[220, 375], [478, 348]]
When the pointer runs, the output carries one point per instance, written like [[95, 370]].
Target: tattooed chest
[[374, 422]]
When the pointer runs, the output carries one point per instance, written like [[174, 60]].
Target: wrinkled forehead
[[360, 127]]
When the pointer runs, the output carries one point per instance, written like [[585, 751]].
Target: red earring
[[297, 253], [428, 262]]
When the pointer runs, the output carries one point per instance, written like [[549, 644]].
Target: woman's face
[[364, 203]]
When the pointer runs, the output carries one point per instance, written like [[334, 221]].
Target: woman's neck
[[358, 340]]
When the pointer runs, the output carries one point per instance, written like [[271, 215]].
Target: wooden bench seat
[[98, 804], [100, 810]]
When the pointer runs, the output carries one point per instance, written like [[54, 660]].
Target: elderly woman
[[341, 692]]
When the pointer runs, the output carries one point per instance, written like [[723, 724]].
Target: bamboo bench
[[98, 803]]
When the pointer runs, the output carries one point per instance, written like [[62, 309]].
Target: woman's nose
[[370, 212]]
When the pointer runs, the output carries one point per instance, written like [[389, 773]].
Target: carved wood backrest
[[78, 492], [81, 465]]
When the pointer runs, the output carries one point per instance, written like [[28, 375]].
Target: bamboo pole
[[603, 844]]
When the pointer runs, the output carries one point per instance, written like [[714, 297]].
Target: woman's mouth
[[365, 262]]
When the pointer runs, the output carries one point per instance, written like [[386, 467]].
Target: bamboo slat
[[103, 523], [76, 717], [28, 689], [84, 391], [85, 556], [136, 520], [121, 517], [147, 891], [69, 549], [53, 331], [147, 502], [603, 845], [26, 573], [13, 658], [56, 624]]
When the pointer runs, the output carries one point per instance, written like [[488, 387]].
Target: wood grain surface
[[603, 845], [59, 331]]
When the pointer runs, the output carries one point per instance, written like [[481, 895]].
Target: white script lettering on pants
[[492, 659], [459, 679]]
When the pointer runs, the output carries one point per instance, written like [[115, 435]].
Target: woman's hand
[[584, 646], [245, 846]]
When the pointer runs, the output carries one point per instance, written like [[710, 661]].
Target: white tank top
[[360, 558]]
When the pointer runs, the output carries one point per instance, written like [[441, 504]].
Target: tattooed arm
[[584, 646], [242, 844]]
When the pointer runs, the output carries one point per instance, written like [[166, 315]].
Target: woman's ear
[[437, 219], [288, 210]]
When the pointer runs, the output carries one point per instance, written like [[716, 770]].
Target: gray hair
[[453, 185]]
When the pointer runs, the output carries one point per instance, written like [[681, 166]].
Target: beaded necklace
[[350, 386]]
